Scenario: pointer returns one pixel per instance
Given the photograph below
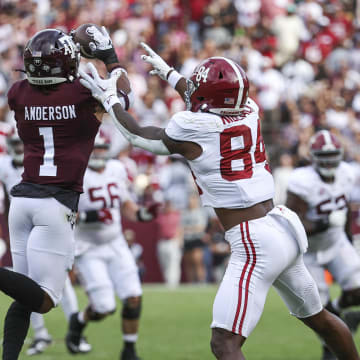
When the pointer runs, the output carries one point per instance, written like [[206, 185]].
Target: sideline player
[[57, 119], [319, 194], [11, 168], [103, 259], [220, 137]]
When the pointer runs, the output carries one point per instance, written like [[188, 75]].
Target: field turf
[[175, 326]]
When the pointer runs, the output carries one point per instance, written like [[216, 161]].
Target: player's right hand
[[101, 46], [161, 68], [103, 90], [337, 218]]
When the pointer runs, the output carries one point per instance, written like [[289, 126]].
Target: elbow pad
[[154, 146]]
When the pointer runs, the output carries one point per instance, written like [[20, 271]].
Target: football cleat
[[352, 320], [129, 354], [38, 346], [74, 335], [84, 346]]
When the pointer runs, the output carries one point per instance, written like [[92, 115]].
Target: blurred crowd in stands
[[302, 58]]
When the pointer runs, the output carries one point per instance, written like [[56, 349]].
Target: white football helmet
[[99, 155]]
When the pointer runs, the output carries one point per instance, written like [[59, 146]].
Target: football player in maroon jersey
[[220, 137], [57, 119]]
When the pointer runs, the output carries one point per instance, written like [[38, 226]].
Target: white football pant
[[42, 242], [264, 252]]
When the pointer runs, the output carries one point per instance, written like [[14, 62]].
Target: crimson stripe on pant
[[242, 277]]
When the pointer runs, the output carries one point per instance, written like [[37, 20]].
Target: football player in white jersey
[[220, 137], [11, 168], [319, 194], [103, 259]]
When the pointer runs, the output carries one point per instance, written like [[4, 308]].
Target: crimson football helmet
[[99, 154], [217, 85], [51, 57], [326, 152]]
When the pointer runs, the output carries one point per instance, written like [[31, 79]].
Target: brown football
[[81, 36]]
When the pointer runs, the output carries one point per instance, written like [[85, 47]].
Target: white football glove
[[337, 218], [161, 68], [103, 90], [102, 46]]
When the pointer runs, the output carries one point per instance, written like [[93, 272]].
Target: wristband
[[174, 78], [126, 100], [110, 101], [107, 56]]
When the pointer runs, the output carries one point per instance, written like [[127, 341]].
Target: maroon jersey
[[58, 129]]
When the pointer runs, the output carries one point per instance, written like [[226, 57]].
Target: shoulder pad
[[202, 122]]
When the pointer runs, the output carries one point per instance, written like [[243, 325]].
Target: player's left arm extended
[[151, 138]]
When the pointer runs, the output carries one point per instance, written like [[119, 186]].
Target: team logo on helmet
[[51, 57]]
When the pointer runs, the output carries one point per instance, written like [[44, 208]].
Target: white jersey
[[232, 171], [106, 189], [322, 198], [9, 174]]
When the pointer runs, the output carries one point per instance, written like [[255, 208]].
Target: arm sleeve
[[155, 146]]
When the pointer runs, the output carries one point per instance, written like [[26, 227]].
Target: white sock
[[38, 325], [81, 317], [130, 337], [69, 301]]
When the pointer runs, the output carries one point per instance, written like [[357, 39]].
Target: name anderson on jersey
[[50, 112]]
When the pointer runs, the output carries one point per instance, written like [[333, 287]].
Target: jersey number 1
[[48, 168]]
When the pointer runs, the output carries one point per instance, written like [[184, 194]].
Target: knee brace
[[96, 316], [350, 298], [131, 308]]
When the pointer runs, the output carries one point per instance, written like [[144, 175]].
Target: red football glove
[[149, 212]]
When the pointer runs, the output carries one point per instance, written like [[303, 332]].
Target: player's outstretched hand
[[103, 90], [161, 68], [101, 45]]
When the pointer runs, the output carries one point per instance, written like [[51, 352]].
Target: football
[[82, 37]]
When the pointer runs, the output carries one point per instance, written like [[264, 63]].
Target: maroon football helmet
[[326, 152], [217, 85], [51, 57]]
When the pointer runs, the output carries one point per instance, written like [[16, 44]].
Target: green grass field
[[175, 326]]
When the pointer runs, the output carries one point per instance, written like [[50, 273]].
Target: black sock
[[16, 326], [129, 345], [22, 289]]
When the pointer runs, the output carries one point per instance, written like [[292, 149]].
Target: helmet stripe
[[240, 78], [241, 82]]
